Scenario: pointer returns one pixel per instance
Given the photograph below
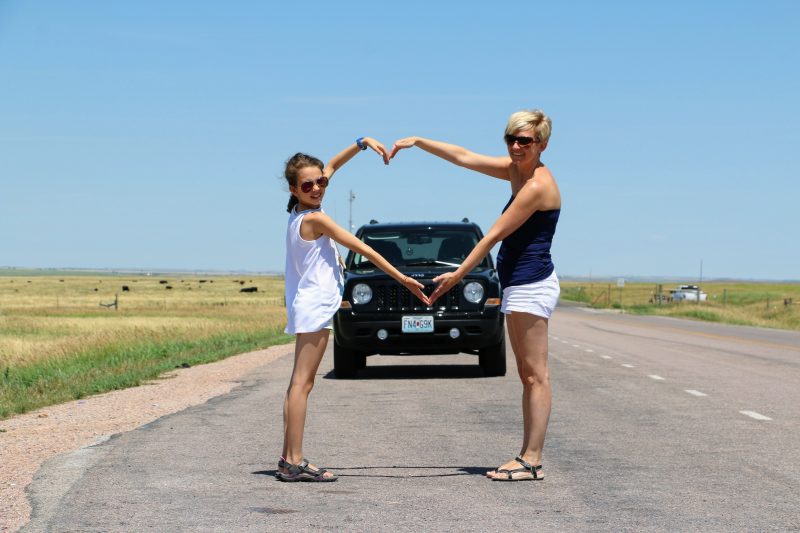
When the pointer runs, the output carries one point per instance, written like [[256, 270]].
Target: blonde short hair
[[535, 119]]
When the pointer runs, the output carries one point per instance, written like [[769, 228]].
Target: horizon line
[[566, 277]]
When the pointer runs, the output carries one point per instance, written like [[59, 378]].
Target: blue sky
[[153, 134]]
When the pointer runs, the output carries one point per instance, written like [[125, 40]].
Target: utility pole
[[701, 282], [352, 197]]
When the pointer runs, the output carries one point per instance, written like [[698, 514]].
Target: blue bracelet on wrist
[[360, 143]]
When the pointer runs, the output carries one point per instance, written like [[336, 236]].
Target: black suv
[[380, 316]]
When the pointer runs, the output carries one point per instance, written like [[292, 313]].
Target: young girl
[[314, 291]]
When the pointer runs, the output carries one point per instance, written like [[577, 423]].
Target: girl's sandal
[[281, 464], [303, 472], [526, 468]]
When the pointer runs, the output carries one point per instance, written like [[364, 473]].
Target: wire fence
[[608, 295]]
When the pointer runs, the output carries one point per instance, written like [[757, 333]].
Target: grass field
[[750, 304], [58, 343], [61, 340]]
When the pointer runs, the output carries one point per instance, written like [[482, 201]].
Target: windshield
[[419, 247]]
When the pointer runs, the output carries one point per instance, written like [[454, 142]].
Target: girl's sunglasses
[[522, 141], [306, 186]]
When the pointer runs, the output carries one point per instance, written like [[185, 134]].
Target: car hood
[[423, 272]]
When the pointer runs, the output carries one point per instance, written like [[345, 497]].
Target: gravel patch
[[27, 441]]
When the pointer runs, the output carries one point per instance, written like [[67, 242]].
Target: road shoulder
[[29, 440]]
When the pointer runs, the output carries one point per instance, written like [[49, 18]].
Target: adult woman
[[313, 285], [527, 275]]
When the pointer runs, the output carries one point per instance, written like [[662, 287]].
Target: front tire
[[344, 362], [492, 359]]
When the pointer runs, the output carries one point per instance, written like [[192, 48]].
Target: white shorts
[[328, 325], [538, 298]]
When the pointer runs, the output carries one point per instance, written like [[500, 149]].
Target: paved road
[[658, 425]]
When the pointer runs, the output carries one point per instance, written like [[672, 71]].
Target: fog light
[[454, 333], [383, 334]]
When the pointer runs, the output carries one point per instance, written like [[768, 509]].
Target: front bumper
[[359, 331]]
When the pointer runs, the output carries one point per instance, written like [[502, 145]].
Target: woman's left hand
[[445, 282], [378, 147]]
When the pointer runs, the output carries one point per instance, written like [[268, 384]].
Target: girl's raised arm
[[497, 167], [323, 224], [347, 154]]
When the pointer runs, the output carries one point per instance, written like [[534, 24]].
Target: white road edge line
[[753, 414], [696, 392], [589, 350], [655, 377], [576, 345], [606, 357], [626, 365]]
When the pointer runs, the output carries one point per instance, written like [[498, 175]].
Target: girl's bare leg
[[309, 349], [528, 334]]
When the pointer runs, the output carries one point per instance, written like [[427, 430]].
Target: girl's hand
[[399, 144], [416, 289], [378, 147], [445, 282]]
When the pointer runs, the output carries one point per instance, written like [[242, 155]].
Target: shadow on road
[[371, 471], [417, 372]]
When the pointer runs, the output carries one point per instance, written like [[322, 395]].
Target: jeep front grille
[[394, 297]]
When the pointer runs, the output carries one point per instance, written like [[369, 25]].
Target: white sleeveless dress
[[313, 278]]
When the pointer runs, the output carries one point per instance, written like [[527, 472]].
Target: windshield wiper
[[432, 262]]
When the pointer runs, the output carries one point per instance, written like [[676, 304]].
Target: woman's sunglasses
[[306, 186], [522, 141]]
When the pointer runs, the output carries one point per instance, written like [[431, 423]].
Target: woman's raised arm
[[497, 167]]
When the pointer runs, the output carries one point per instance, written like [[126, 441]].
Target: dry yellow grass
[[44, 317], [754, 304]]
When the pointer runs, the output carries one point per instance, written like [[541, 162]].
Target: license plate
[[417, 324]]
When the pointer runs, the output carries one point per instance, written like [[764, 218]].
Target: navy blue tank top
[[524, 256]]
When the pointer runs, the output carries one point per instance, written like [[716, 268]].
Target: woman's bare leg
[[309, 349], [528, 334]]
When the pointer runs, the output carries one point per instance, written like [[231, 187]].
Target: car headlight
[[473, 292], [362, 293]]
